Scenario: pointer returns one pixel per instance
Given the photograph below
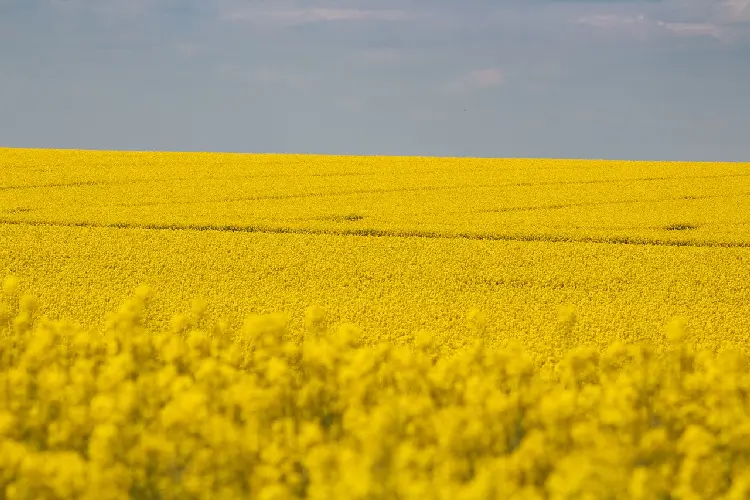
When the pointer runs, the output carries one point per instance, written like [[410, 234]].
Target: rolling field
[[361, 327], [394, 245]]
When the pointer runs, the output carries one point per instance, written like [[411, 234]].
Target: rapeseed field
[[193, 325]]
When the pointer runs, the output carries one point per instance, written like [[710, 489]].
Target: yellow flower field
[[203, 411], [524, 328], [265, 233], [548, 200]]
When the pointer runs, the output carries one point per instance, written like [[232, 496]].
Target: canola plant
[[636, 202], [199, 410], [372, 327], [393, 244]]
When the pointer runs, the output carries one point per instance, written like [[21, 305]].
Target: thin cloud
[[693, 29], [314, 15], [611, 20], [127, 10], [723, 20], [484, 78], [734, 11], [478, 79], [643, 27]]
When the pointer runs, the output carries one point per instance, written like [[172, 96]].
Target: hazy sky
[[622, 79]]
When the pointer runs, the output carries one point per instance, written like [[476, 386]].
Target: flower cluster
[[200, 410]]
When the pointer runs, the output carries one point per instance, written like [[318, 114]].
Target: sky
[[638, 80]]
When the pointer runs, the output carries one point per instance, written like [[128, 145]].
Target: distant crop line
[[299, 196], [299, 174], [51, 185], [414, 189], [617, 240], [343, 174], [560, 206], [632, 179], [84, 184], [173, 179]]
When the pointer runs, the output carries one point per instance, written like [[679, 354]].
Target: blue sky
[[665, 79]]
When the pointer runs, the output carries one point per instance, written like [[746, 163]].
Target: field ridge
[[381, 233]]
